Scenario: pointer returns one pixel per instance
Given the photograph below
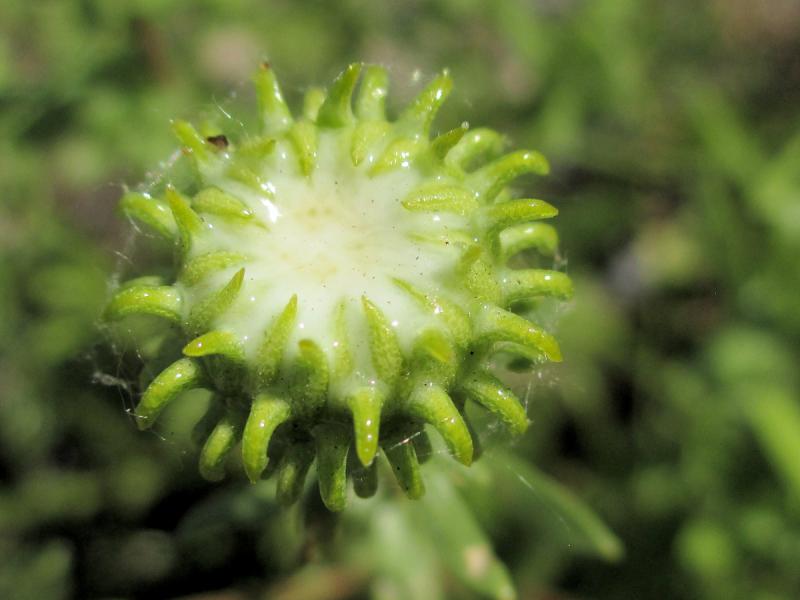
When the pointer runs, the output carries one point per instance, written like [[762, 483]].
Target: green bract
[[341, 281]]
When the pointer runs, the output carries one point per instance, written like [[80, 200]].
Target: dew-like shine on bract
[[341, 281]]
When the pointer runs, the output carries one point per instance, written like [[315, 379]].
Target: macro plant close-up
[[294, 307], [342, 279]]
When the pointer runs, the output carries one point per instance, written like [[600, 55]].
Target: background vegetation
[[674, 132]]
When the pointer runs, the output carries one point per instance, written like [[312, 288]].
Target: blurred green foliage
[[674, 131]]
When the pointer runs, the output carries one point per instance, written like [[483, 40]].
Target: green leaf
[[544, 500], [461, 542], [409, 566], [774, 414]]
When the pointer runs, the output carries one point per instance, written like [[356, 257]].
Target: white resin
[[336, 235]]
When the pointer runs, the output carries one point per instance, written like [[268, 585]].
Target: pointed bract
[[512, 212], [266, 413], [275, 114], [257, 148], [387, 358], [450, 313], [242, 174], [209, 309], [189, 222], [154, 215], [272, 347], [311, 379], [367, 135], [498, 325], [303, 136], [541, 237], [443, 143], [402, 457], [434, 351], [399, 154], [342, 354], [222, 343], [198, 268], [182, 375], [365, 404], [336, 111], [159, 301], [441, 197], [472, 146], [219, 444], [527, 355], [313, 100], [214, 201], [490, 179], [195, 144], [478, 276], [419, 114], [431, 404], [332, 443], [489, 392], [371, 99], [522, 284]]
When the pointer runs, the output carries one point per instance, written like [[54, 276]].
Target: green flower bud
[[342, 281]]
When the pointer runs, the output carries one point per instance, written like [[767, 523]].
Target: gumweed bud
[[341, 284]]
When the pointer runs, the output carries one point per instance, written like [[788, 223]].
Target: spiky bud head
[[341, 281]]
